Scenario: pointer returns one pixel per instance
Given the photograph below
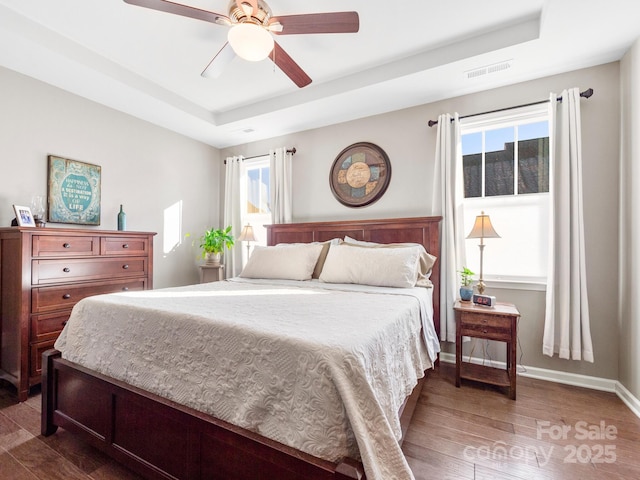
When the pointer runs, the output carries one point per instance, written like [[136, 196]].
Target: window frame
[[496, 120]]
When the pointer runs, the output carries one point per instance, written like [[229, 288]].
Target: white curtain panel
[[233, 214], [448, 192], [281, 185], [566, 327]]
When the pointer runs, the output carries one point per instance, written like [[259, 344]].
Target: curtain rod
[[292, 151], [586, 94]]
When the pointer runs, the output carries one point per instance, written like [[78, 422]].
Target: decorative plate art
[[360, 174], [74, 191]]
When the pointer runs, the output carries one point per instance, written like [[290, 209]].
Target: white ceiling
[[148, 63]]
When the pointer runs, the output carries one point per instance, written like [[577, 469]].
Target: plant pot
[[466, 293], [212, 258]]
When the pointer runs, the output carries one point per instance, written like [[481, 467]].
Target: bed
[[161, 438]]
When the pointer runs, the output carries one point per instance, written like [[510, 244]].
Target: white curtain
[[233, 214], [281, 185], [447, 201], [566, 327]]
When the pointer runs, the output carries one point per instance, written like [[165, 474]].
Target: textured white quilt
[[322, 368]]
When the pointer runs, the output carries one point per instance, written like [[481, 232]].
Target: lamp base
[[481, 287]]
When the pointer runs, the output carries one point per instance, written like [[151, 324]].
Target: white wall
[[410, 144], [144, 167], [629, 315]]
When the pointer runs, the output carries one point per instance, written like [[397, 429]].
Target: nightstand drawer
[[477, 319], [489, 333]]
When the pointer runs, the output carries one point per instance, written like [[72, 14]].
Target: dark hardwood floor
[[475, 432]]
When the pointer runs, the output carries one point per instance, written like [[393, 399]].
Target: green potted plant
[[466, 284], [213, 242]]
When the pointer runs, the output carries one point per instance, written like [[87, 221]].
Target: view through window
[[505, 162]]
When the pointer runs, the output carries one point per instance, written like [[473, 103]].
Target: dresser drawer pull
[[125, 289], [125, 266], [66, 269], [484, 331], [66, 245], [126, 245], [66, 296]]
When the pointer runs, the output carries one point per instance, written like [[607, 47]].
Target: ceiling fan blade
[[332, 22], [184, 10], [219, 62], [290, 68]]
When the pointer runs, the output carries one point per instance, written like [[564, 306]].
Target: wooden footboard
[[160, 439]]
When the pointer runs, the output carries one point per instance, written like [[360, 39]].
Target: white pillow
[[323, 253], [382, 267], [284, 262], [426, 259]]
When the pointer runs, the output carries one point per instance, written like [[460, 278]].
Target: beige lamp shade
[[247, 234], [482, 228]]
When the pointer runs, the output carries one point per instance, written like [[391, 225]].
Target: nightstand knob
[[66, 296], [126, 245], [125, 266], [66, 269], [66, 245], [484, 331]]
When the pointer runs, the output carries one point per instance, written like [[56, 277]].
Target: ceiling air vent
[[495, 68]]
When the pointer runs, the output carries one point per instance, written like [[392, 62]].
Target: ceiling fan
[[251, 26]]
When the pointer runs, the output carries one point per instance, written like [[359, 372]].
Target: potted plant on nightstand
[[466, 284], [213, 243]]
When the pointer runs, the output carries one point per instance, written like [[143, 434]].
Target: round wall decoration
[[360, 174]]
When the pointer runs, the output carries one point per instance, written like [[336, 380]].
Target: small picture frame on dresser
[[24, 216]]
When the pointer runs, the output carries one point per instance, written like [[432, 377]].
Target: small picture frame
[[24, 216]]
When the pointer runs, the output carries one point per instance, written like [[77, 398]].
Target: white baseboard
[[594, 383]]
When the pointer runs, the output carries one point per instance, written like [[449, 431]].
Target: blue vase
[[122, 220], [466, 293]]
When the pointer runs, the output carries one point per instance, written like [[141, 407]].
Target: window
[[505, 165], [257, 197]]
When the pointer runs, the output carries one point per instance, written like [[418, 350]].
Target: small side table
[[492, 323], [211, 273]]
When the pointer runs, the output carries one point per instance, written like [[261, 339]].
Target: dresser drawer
[[124, 246], [48, 326], [35, 353], [64, 245], [78, 269], [49, 299]]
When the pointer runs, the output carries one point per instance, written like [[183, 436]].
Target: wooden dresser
[[44, 272]]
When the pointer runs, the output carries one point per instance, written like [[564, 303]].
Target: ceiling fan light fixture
[[250, 41]]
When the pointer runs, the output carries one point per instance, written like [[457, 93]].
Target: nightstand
[[498, 323], [211, 273]]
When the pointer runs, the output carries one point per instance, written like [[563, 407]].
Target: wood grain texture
[[447, 421]]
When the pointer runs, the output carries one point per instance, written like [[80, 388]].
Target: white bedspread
[[322, 368]]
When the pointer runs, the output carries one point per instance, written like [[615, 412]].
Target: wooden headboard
[[423, 230]]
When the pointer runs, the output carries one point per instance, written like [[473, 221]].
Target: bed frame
[[160, 439]]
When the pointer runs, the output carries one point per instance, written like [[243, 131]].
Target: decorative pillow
[[382, 267], [426, 259], [323, 253], [283, 262]]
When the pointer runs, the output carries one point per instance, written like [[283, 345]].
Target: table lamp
[[248, 236], [482, 229]]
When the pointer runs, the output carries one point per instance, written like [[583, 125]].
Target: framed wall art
[[24, 217], [360, 174], [73, 191]]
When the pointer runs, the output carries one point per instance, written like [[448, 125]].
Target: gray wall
[[146, 168], [410, 144], [629, 321]]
